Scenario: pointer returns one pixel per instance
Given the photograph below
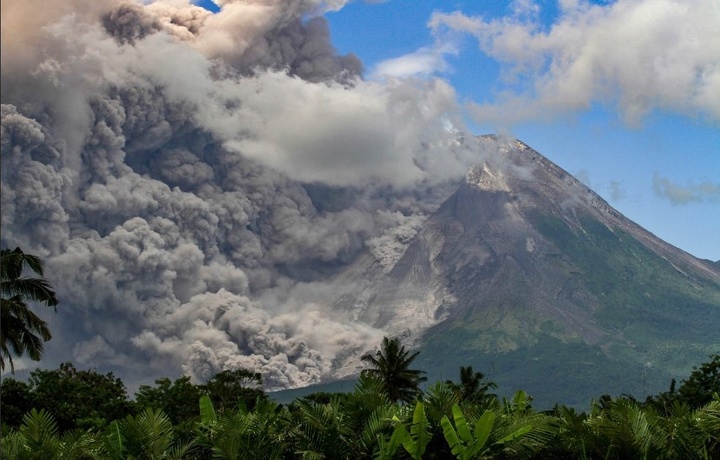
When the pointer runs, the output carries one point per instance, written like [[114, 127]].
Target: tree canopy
[[390, 366], [21, 330], [473, 386], [81, 414]]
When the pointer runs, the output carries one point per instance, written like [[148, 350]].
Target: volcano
[[531, 277]]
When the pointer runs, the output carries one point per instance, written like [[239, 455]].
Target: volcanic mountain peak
[[522, 255], [485, 179], [539, 185]]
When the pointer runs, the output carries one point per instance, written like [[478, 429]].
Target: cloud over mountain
[[180, 171], [683, 194]]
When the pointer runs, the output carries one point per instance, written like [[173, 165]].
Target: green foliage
[[704, 381], [418, 437], [207, 411], [707, 427], [473, 386], [231, 388], [148, 435], [322, 430], [440, 398], [38, 438], [696, 391], [242, 434], [21, 330], [389, 447], [372, 430], [176, 399], [468, 444], [40, 433], [79, 398], [390, 366], [16, 399], [226, 390], [370, 415], [365, 424], [114, 441], [459, 438]]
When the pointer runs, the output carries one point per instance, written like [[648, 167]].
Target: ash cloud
[[193, 179]]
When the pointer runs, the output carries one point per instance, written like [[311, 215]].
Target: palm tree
[[39, 437], [322, 430], [242, 434], [473, 386], [148, 435], [21, 330], [391, 367]]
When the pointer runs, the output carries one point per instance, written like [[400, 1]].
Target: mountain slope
[[530, 276]]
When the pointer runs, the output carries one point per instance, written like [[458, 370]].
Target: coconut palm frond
[[21, 330], [41, 433], [35, 289]]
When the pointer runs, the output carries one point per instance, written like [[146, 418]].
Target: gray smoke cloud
[[692, 192], [194, 180]]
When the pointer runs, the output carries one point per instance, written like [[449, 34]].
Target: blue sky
[[625, 95]]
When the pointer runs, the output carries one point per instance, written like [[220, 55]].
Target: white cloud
[[636, 55], [394, 132], [424, 62]]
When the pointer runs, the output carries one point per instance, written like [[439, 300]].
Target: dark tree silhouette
[[229, 388], [390, 366], [704, 381], [16, 399], [473, 386], [178, 399], [83, 399], [21, 330], [696, 391]]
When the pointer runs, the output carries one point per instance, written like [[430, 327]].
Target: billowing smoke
[[194, 180]]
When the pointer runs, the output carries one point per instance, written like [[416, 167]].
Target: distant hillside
[[528, 275]]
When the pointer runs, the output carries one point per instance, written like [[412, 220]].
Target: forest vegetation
[[68, 413], [392, 413]]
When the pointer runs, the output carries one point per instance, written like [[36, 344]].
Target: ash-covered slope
[[530, 276]]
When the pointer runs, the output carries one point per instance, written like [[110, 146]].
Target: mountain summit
[[532, 277]]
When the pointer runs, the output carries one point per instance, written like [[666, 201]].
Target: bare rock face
[[522, 255]]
